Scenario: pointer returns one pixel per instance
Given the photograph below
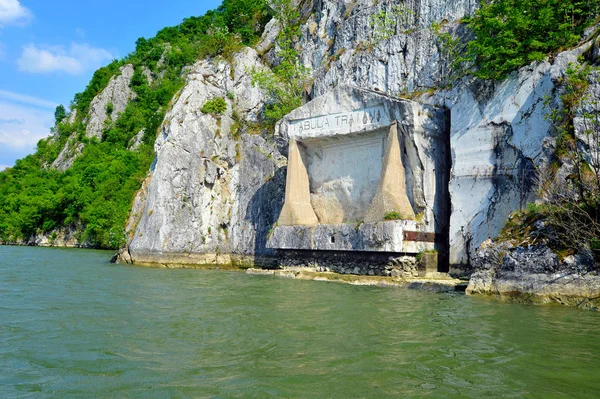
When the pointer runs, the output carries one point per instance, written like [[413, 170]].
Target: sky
[[49, 50]]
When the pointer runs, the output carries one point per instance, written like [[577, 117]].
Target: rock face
[[106, 106], [136, 141], [110, 102], [212, 195], [68, 155], [535, 275], [212, 192], [587, 123], [63, 237], [344, 44], [497, 131]]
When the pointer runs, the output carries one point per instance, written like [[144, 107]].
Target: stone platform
[[401, 236]]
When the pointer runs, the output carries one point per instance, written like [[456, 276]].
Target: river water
[[74, 326]]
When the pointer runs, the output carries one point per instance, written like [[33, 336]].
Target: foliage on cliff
[[509, 35], [567, 218], [95, 194], [286, 83], [513, 33]]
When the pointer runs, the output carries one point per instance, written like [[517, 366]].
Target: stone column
[[297, 209], [391, 192]]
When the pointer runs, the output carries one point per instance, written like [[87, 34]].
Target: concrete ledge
[[197, 260], [367, 237], [442, 283]]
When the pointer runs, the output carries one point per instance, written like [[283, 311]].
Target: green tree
[[513, 33], [59, 114]]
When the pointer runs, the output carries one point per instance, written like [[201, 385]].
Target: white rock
[[118, 93], [209, 193]]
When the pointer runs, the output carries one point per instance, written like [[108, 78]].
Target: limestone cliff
[[214, 192], [111, 102], [342, 44], [106, 106]]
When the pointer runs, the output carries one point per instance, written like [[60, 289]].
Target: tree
[[513, 33], [59, 114]]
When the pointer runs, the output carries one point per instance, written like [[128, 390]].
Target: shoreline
[[440, 283], [576, 296]]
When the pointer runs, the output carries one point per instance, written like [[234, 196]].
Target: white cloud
[[25, 99], [80, 57], [13, 13], [21, 127], [2, 167]]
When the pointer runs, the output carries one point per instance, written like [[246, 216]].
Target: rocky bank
[[535, 274]]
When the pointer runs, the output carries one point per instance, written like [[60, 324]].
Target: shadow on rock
[[264, 208]]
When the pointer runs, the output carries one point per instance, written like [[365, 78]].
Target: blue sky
[[49, 50]]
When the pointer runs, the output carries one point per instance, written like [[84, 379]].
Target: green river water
[[74, 326]]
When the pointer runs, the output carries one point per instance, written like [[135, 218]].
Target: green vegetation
[[513, 33], [95, 194], [59, 114], [392, 215], [286, 84], [569, 218], [216, 106]]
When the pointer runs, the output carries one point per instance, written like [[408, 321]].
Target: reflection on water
[[72, 325]]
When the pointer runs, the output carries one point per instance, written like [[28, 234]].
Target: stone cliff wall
[[118, 93], [213, 192], [341, 43], [211, 195]]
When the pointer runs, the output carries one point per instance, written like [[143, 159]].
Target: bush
[[284, 86], [216, 106], [513, 33], [393, 215]]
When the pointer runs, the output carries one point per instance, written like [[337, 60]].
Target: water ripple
[[72, 326]]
